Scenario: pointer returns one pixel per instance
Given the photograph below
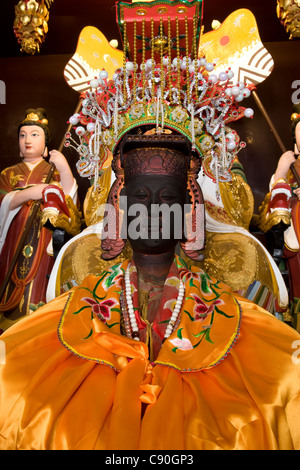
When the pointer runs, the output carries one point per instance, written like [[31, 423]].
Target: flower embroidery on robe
[[102, 309], [202, 310], [112, 277]]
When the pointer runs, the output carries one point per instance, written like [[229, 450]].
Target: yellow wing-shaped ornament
[[93, 54], [236, 44]]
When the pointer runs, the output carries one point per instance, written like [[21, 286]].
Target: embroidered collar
[[209, 323]]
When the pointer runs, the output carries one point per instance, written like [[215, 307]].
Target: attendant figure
[[21, 185], [232, 253], [280, 211]]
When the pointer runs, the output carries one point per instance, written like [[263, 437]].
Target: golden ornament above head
[[295, 116], [35, 117]]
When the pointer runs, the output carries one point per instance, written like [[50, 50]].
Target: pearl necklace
[[131, 314]]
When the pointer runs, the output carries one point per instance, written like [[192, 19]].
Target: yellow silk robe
[[228, 377]]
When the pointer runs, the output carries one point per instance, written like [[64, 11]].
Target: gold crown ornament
[[162, 84], [35, 117]]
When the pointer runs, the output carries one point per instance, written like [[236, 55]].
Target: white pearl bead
[[80, 130], [209, 66], [129, 66], [103, 74], [213, 78], [150, 63], [176, 61], [235, 90], [74, 120], [90, 127], [239, 97], [231, 145], [249, 112], [223, 76], [230, 136], [94, 83]]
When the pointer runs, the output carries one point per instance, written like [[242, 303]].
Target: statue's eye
[[167, 195], [141, 194]]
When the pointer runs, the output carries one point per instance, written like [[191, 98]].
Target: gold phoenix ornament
[[288, 11], [31, 24]]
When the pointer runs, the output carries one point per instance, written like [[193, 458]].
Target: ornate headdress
[[163, 83]]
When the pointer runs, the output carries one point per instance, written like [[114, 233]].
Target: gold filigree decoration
[[82, 258], [14, 179], [237, 260], [238, 200], [31, 24], [95, 199]]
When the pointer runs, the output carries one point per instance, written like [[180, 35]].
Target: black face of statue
[[155, 213]]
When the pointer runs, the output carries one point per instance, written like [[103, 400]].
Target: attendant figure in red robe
[[284, 175], [20, 186]]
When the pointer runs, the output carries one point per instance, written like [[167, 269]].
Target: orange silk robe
[[227, 378]]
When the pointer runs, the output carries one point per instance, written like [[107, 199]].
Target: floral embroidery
[[14, 179], [202, 310], [205, 305], [181, 343], [184, 344], [189, 276], [102, 309], [112, 277]]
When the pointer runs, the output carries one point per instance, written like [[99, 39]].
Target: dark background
[[38, 81]]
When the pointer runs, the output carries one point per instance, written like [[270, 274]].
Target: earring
[[113, 244], [195, 219]]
